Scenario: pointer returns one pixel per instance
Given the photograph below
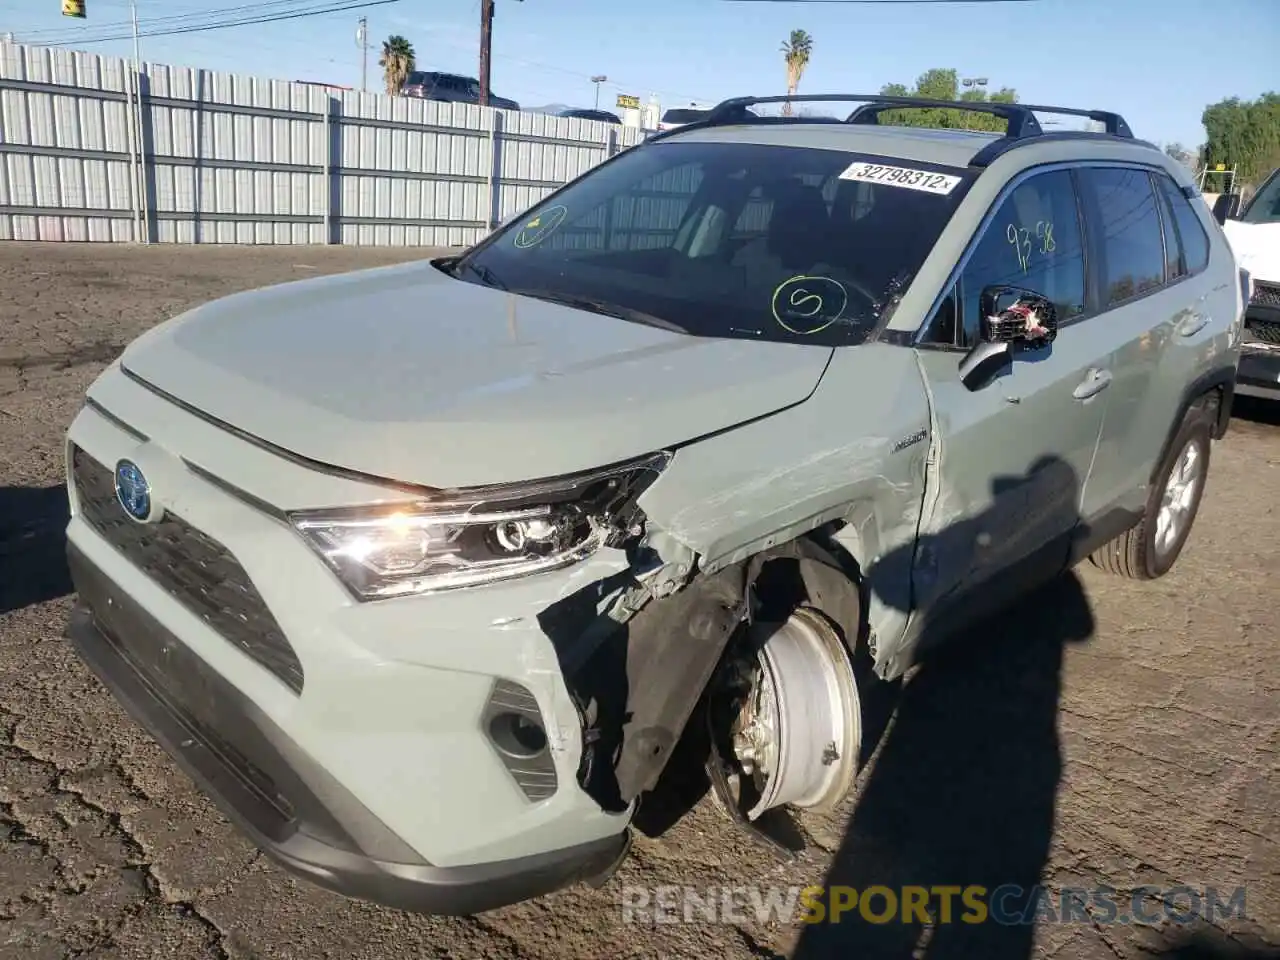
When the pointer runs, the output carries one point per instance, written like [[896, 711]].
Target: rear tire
[[1149, 550]]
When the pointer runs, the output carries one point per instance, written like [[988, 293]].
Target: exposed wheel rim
[[800, 731], [1178, 499]]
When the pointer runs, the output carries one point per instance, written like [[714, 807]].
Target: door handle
[[1192, 325], [1093, 384]]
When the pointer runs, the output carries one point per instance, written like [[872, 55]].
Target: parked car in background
[[450, 88], [679, 116], [1254, 235], [604, 116]]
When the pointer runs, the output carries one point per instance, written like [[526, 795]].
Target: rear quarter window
[[1191, 238]]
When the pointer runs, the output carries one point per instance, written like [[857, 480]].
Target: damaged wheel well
[[645, 677]]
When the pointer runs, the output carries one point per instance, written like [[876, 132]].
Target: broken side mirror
[[1013, 319], [1226, 207]]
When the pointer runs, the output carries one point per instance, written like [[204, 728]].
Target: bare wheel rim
[[801, 727], [1179, 497]]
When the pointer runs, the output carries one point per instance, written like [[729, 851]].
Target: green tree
[[397, 62], [1244, 134], [944, 84], [796, 52]]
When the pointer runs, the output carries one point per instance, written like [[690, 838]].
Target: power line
[[887, 3], [243, 9], [200, 28]]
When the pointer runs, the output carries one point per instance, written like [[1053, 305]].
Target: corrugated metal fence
[[92, 150]]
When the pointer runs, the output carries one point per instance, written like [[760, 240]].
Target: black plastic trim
[[1089, 535], [1258, 374], [1224, 379], [288, 805], [1261, 311], [998, 148], [1021, 119]]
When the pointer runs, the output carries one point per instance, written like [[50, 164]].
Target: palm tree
[[796, 53], [397, 62]]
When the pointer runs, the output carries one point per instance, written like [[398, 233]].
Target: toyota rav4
[[422, 572]]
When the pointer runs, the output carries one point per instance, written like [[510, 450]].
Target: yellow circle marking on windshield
[[540, 227], [808, 304]]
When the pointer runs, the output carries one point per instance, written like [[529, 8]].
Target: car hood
[[1256, 247], [408, 374]]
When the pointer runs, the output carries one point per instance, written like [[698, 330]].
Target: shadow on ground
[[964, 788], [33, 563]]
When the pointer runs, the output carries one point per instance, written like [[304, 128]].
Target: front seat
[[799, 225]]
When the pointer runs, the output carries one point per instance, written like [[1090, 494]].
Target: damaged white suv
[[421, 572]]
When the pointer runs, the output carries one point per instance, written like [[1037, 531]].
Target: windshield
[[1265, 205], [729, 239]]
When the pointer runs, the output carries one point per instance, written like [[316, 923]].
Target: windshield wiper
[[604, 308]]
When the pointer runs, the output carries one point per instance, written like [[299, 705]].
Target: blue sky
[[1159, 62]]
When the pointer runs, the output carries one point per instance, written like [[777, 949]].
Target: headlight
[[478, 536]]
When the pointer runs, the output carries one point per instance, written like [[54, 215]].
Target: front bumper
[[268, 785], [395, 708], [1259, 368]]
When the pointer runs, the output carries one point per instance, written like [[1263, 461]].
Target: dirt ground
[[1102, 733]]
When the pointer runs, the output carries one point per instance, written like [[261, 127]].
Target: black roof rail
[[998, 148], [1020, 117]]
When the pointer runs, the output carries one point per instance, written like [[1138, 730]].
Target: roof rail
[[1020, 117]]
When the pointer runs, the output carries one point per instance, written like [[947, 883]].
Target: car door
[[1016, 452], [1158, 303]]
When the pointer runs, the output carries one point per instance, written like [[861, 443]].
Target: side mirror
[[1017, 315], [981, 364], [1226, 207], [1013, 319]]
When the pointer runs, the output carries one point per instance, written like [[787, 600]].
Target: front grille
[[1265, 294], [1265, 331], [196, 570]]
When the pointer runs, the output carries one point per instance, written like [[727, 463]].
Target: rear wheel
[[787, 722], [1151, 548]]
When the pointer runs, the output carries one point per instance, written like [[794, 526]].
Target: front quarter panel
[[853, 452]]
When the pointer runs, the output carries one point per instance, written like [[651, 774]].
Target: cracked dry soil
[[1100, 733]]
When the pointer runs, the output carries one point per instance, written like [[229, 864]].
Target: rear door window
[[1128, 223]]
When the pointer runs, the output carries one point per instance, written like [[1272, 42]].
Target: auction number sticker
[[901, 177]]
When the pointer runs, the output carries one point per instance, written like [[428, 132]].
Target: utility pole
[[597, 81], [137, 57], [362, 41], [486, 48]]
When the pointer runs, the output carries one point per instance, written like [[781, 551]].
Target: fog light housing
[[514, 726]]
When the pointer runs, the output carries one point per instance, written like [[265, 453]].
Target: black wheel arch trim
[[1222, 379]]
